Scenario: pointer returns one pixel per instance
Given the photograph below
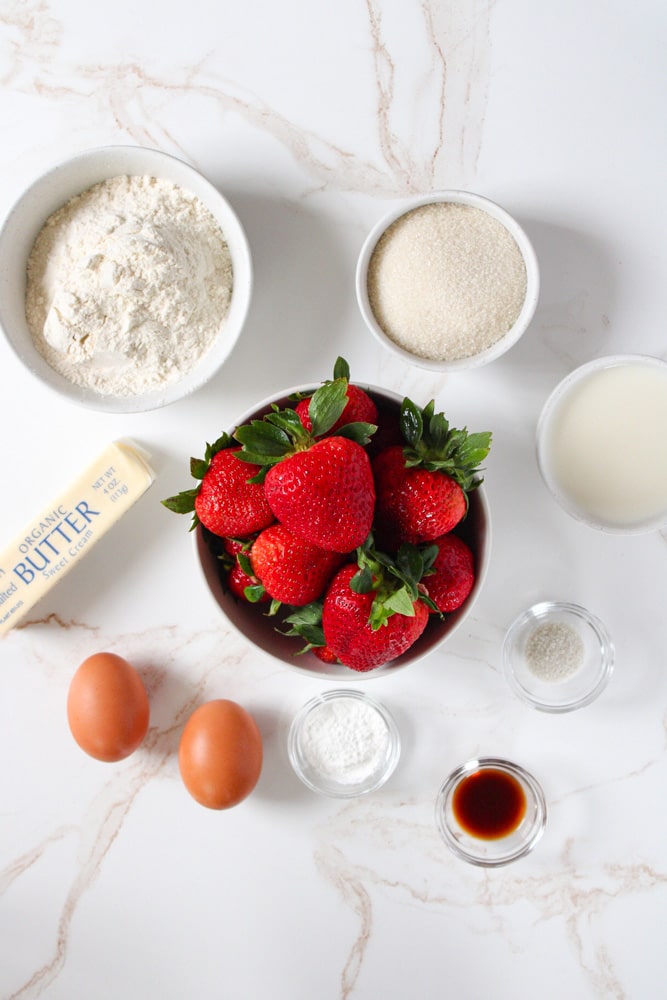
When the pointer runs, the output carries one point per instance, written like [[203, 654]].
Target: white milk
[[603, 443]]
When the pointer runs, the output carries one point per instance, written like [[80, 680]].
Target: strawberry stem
[[395, 581], [432, 444], [184, 502], [280, 433], [307, 623]]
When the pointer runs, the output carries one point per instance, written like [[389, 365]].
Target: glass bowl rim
[[540, 612]]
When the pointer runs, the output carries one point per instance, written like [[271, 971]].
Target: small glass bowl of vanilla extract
[[491, 812]]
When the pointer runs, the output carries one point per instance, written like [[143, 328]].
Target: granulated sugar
[[446, 281]]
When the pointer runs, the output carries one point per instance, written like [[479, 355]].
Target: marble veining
[[113, 882], [449, 102], [574, 897]]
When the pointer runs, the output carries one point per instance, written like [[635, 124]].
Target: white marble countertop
[[312, 119]]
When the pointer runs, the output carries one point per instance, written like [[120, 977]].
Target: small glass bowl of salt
[[343, 744], [557, 657]]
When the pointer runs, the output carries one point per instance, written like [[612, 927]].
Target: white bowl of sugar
[[447, 281], [125, 279]]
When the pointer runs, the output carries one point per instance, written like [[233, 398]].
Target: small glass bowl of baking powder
[[447, 281], [557, 656], [343, 744]]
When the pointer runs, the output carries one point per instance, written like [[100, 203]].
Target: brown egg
[[107, 707], [220, 754]]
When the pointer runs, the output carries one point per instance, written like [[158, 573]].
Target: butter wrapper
[[60, 535]]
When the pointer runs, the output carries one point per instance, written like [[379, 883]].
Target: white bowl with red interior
[[251, 620]]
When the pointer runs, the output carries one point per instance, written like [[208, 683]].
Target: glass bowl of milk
[[602, 443]]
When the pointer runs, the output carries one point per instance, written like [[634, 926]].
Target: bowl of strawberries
[[341, 529]]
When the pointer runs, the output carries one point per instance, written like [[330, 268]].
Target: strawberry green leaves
[[264, 443], [432, 444], [306, 622], [395, 581], [341, 369], [358, 633], [302, 467], [327, 405], [373, 625], [318, 485], [184, 502], [280, 433]]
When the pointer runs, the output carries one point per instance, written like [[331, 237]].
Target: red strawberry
[[325, 654], [322, 490], [325, 494], [291, 570], [348, 628], [422, 487], [359, 407], [233, 546], [225, 502], [238, 582], [453, 574], [235, 569], [413, 505]]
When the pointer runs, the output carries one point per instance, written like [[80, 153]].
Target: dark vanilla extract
[[489, 804]]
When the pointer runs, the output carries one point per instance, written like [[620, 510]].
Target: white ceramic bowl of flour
[[185, 253], [447, 281]]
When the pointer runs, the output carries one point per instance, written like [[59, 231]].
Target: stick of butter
[[54, 541]]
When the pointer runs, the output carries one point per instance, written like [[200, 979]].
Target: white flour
[[128, 285]]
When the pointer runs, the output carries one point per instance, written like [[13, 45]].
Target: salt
[[345, 740], [554, 651]]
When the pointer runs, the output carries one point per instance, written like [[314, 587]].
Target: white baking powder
[[446, 281], [345, 740], [128, 285], [554, 651]]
